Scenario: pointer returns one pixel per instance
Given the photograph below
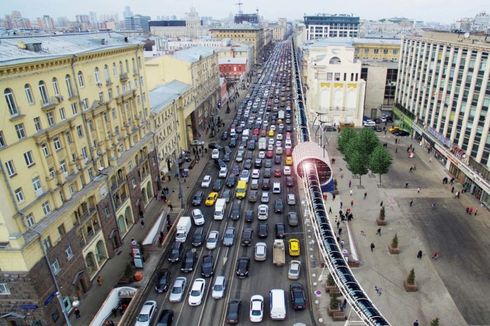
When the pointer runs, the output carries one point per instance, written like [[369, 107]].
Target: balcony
[[119, 181], [51, 103], [39, 192], [123, 77], [120, 200]]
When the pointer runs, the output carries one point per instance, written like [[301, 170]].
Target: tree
[[345, 137], [334, 301], [434, 322], [394, 242], [411, 277], [356, 163], [367, 141], [382, 213], [380, 161]]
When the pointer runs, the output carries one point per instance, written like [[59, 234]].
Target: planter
[[381, 222], [332, 289], [410, 287], [332, 312], [339, 316], [393, 251]]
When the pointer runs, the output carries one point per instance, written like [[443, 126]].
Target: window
[[19, 129], [74, 108], [44, 149], [85, 104], [4, 289], [107, 76], [29, 96], [37, 123], [109, 93], [36, 184], [79, 131], [28, 158], [57, 143], [55, 267], [19, 195], [84, 153], [30, 220], [61, 229], [68, 85], [10, 168], [69, 253], [68, 137], [51, 172], [46, 209], [9, 98], [55, 87], [2, 140], [62, 114], [44, 92], [97, 75], [50, 118], [63, 167], [81, 81]]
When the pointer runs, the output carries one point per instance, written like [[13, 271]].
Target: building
[[241, 18], [251, 35], [233, 69], [327, 26], [167, 101], [191, 27], [443, 96], [78, 166], [197, 67], [279, 29], [334, 89]]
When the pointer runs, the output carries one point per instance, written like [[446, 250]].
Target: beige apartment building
[[78, 166], [249, 34]]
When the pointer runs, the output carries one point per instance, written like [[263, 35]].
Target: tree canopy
[[380, 161]]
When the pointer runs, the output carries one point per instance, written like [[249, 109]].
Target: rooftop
[[193, 54], [349, 41], [164, 94], [232, 27], [239, 60]]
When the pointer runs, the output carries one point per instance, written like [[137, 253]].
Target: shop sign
[[439, 136]]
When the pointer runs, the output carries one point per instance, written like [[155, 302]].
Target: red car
[[269, 154], [256, 131], [277, 172], [288, 151]]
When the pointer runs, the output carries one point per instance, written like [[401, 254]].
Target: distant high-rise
[[127, 12], [241, 18], [326, 26]]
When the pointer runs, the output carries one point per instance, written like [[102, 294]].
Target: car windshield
[[218, 287], [177, 289], [195, 293], [256, 312], [143, 318]]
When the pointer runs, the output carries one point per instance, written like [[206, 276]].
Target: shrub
[[411, 277]]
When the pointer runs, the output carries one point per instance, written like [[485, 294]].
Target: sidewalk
[[379, 268]]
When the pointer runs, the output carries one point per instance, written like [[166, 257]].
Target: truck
[[183, 228], [262, 144], [279, 254], [219, 209]]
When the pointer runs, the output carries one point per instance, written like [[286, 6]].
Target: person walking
[[142, 223], [452, 189], [170, 207], [416, 323], [351, 203], [365, 195], [419, 254], [381, 204], [372, 246], [406, 184], [411, 203], [350, 192], [340, 231], [77, 313], [99, 280], [350, 183], [330, 210], [341, 204], [378, 232], [418, 190]]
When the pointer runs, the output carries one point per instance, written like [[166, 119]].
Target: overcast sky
[[444, 11]]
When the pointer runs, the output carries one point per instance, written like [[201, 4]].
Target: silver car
[[219, 288], [212, 240], [229, 237], [260, 251], [178, 289], [294, 270]]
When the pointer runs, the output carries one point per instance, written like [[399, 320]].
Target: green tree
[[345, 137], [366, 141], [411, 277], [380, 161], [356, 163], [434, 322]]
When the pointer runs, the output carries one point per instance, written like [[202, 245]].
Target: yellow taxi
[[289, 160], [294, 250], [393, 129], [270, 133], [211, 198]]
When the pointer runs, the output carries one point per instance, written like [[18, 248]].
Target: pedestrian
[[99, 280], [363, 233], [416, 323], [350, 183], [476, 210], [342, 243], [341, 204], [372, 246], [411, 203], [452, 189], [418, 190], [142, 223], [170, 207], [410, 170], [435, 255], [433, 205], [396, 149], [333, 196], [378, 290], [457, 194], [340, 231], [77, 313], [406, 184], [330, 210], [338, 224], [350, 192], [365, 195], [419, 254], [378, 232], [133, 242], [381, 204], [351, 203]]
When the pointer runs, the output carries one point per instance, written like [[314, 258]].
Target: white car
[[197, 142], [260, 251], [148, 311], [264, 199], [256, 308], [288, 143], [263, 212], [206, 181], [212, 241], [255, 173], [262, 154], [287, 170], [294, 270], [291, 199], [219, 288], [178, 289], [270, 147], [197, 292], [198, 217], [223, 172], [215, 154], [369, 123], [279, 137]]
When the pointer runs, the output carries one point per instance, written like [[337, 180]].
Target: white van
[[219, 209], [276, 188], [277, 300], [245, 134]]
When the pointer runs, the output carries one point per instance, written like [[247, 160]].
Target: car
[[219, 287], [261, 154], [260, 253], [294, 249], [252, 196], [197, 198], [263, 212], [226, 195], [278, 205], [293, 219], [219, 163], [212, 241], [206, 181], [147, 313], [197, 217], [178, 289], [245, 175], [255, 174], [175, 252], [298, 296], [277, 159], [223, 172], [249, 216], [289, 160], [401, 133], [215, 154], [393, 129], [256, 308], [198, 237], [254, 184], [262, 230], [368, 123], [229, 236], [280, 230], [233, 312], [287, 170], [294, 270], [211, 199], [239, 157], [207, 266], [267, 173], [188, 262], [197, 142], [289, 181], [242, 266], [288, 152], [266, 184], [197, 291], [214, 146], [277, 172], [162, 281], [217, 185], [270, 133], [232, 142], [247, 164], [231, 181], [258, 163], [264, 199], [291, 199], [235, 210], [247, 236], [166, 318], [269, 154]]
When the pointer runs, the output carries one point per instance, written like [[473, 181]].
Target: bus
[[241, 189]]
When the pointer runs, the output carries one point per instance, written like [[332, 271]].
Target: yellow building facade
[[377, 49], [255, 36], [77, 164]]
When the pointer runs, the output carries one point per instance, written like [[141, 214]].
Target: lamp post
[[181, 190]]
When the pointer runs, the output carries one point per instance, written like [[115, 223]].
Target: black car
[[247, 164], [252, 196], [163, 281], [231, 181], [166, 318], [235, 210], [293, 219], [267, 173], [280, 230], [289, 181], [207, 266], [197, 198], [214, 145], [226, 157], [233, 142], [251, 145], [247, 235], [249, 216], [198, 237], [258, 163], [268, 163], [175, 252], [401, 133], [217, 185], [262, 230], [224, 135], [298, 297], [233, 313], [242, 266], [278, 205], [266, 184], [188, 262]]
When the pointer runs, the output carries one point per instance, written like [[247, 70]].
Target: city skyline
[[373, 10]]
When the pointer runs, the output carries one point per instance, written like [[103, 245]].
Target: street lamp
[[181, 190]]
